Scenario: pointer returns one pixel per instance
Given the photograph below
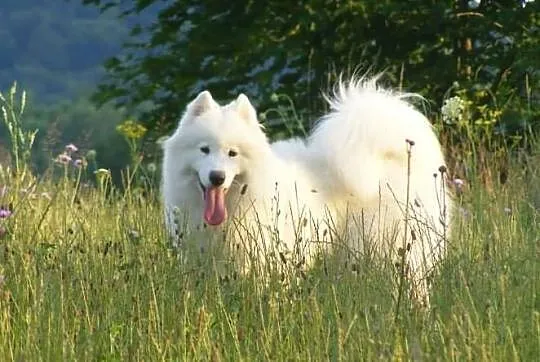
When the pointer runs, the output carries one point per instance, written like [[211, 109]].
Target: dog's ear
[[245, 109], [202, 103]]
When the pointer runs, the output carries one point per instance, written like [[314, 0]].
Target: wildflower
[[5, 212], [458, 184], [151, 167], [80, 162], [131, 129], [507, 210], [102, 173], [452, 109], [63, 158], [274, 98], [71, 148]]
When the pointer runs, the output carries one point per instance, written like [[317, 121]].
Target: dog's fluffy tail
[[360, 150], [363, 141]]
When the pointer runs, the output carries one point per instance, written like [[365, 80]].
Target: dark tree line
[[490, 49]]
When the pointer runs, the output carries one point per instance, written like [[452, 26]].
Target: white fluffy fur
[[347, 181]]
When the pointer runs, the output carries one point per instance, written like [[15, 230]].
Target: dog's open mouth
[[215, 209]]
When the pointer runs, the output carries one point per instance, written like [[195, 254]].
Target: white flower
[[71, 148], [473, 4], [79, 163], [458, 183], [63, 159], [151, 167], [102, 174], [452, 109]]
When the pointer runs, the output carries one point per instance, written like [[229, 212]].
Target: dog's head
[[218, 144]]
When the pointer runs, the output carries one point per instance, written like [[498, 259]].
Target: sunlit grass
[[94, 279]]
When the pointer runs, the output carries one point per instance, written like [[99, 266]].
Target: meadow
[[87, 273]]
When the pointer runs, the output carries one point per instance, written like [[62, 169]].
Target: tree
[[490, 47]]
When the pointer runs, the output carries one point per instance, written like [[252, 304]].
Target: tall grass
[[86, 273]]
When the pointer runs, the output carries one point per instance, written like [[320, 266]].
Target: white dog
[[367, 178]]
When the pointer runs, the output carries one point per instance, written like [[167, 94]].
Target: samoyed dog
[[369, 177]]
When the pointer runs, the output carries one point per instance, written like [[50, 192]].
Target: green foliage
[[93, 130], [296, 48], [79, 122], [133, 132], [21, 139]]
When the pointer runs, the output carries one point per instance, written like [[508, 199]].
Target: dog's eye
[[233, 153], [205, 150]]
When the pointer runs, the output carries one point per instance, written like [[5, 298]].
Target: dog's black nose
[[217, 178]]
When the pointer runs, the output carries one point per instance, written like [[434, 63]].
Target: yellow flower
[[131, 129], [102, 173]]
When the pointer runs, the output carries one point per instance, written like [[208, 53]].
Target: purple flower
[[71, 148], [459, 184], [78, 163], [4, 213], [63, 158]]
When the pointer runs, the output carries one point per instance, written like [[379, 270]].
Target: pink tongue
[[215, 211]]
